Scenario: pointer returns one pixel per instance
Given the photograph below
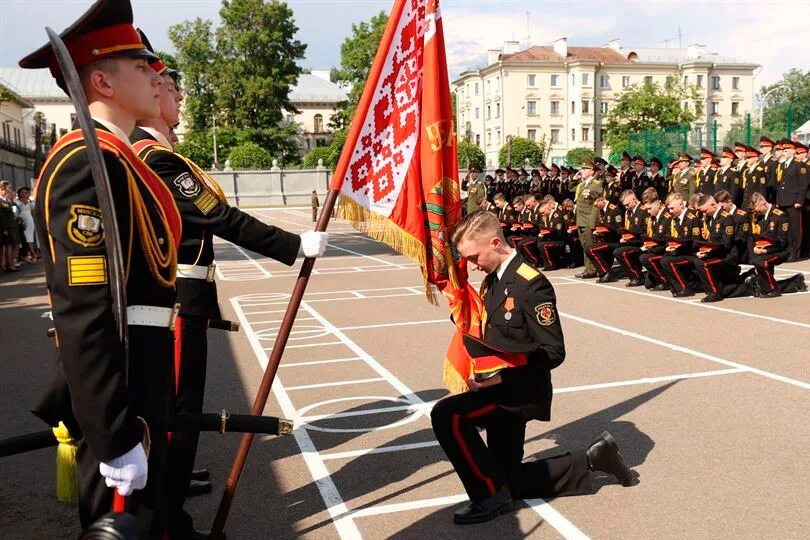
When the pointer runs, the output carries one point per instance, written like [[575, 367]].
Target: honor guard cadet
[[627, 176], [205, 213], [630, 241], [587, 191], [658, 180], [609, 221], [769, 163], [642, 180], [727, 178], [685, 229], [705, 179], [754, 177], [791, 189], [113, 407], [511, 385], [612, 187], [717, 258]]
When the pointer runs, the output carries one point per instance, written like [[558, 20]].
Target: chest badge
[[508, 305]]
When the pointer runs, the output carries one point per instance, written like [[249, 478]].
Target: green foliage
[[198, 147], [311, 159], [649, 106], [470, 155], [792, 96], [250, 155], [356, 56], [5, 95], [196, 59], [336, 148], [168, 59], [522, 149], [578, 156]]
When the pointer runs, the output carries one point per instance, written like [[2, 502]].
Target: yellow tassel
[[453, 380], [67, 478]]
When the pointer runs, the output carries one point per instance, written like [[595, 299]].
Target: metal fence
[[274, 187]]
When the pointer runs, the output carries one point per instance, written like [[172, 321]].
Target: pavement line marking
[[382, 410], [251, 259], [389, 325], [567, 529], [319, 362], [338, 383], [686, 350], [707, 306], [304, 346], [346, 528], [379, 450], [265, 312], [281, 320], [406, 506], [358, 294], [650, 380]]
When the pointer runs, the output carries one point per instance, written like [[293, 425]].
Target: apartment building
[[562, 94]]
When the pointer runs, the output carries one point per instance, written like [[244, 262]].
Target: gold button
[[161, 241]]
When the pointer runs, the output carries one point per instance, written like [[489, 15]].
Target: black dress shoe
[[773, 293], [203, 535], [200, 474], [661, 287], [635, 283], [605, 279], [713, 297], [802, 286], [198, 487], [685, 293], [488, 509], [604, 455], [586, 275]]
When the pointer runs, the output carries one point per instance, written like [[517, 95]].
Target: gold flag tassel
[[67, 478]]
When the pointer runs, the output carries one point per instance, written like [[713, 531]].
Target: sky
[[771, 33]]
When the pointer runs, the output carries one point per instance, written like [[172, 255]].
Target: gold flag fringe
[[452, 380], [386, 231]]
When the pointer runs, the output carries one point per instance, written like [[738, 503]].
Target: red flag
[[398, 173]]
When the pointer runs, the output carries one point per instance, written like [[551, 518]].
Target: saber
[[221, 422]]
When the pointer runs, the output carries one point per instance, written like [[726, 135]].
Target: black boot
[[198, 487], [200, 474], [603, 455], [488, 509]]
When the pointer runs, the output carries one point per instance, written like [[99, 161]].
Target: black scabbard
[[224, 422], [27, 443]]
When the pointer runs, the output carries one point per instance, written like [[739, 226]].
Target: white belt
[[189, 271], [161, 317]]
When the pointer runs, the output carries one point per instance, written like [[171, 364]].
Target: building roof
[[547, 54], [32, 84], [311, 88], [648, 55], [804, 129]]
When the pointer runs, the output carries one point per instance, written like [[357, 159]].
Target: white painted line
[[379, 450], [364, 412], [383, 261], [338, 383], [686, 350], [567, 529], [407, 506], [324, 344], [320, 362], [358, 294], [699, 304], [390, 325], [264, 312], [245, 254], [650, 380], [346, 528]]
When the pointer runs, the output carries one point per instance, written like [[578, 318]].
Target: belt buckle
[[209, 274], [173, 317]]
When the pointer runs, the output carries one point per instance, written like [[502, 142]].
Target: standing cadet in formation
[[754, 177], [705, 179], [642, 180], [114, 407], [205, 213], [791, 190], [521, 320]]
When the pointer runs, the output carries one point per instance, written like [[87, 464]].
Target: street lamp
[[762, 102]]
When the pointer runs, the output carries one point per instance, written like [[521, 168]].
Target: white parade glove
[[313, 244], [127, 473]]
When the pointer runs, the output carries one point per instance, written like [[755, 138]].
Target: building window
[[735, 83], [625, 81], [603, 107], [573, 107], [555, 107], [585, 134], [532, 81], [700, 81], [531, 134], [489, 138], [318, 127], [735, 109], [604, 82], [498, 137], [489, 87], [586, 106], [714, 109], [586, 79], [477, 113], [531, 108], [555, 136], [686, 106], [476, 89], [573, 135], [715, 83], [686, 80], [602, 133], [489, 112], [497, 110], [478, 140], [648, 79], [72, 119], [555, 81], [573, 80]]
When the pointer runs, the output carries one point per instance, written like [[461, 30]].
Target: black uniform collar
[[497, 295]]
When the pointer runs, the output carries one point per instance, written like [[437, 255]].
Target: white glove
[[313, 244], [127, 473]]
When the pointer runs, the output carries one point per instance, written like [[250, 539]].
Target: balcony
[[16, 148]]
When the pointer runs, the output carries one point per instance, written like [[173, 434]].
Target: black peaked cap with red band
[[103, 31], [157, 64]]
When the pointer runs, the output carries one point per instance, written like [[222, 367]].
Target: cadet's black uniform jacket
[[718, 237], [683, 233], [206, 214], [791, 183], [774, 228], [635, 225], [608, 223], [531, 326], [729, 180], [754, 180], [705, 181], [554, 227], [641, 183], [626, 179]]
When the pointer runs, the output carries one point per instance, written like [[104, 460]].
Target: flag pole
[[270, 372]]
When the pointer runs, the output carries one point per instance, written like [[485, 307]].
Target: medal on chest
[[508, 305]]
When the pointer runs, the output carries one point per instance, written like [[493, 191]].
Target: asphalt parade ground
[[709, 404]]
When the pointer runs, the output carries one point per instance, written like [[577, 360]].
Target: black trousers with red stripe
[[651, 261], [486, 468], [680, 272], [552, 253], [528, 248], [796, 230], [602, 256], [628, 258], [764, 265], [720, 276]]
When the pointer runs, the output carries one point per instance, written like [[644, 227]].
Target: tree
[[470, 155], [198, 147], [311, 159], [196, 59], [521, 150], [356, 56], [336, 148], [650, 106], [578, 156], [792, 93], [168, 59], [250, 156]]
